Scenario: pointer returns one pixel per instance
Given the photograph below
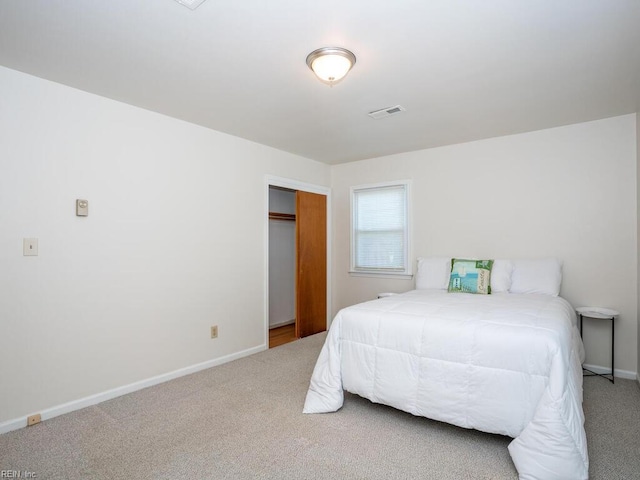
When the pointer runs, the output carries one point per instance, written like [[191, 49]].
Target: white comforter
[[505, 363]]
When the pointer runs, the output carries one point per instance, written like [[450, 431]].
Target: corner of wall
[[638, 235]]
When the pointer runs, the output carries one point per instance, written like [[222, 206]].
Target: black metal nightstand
[[600, 313]]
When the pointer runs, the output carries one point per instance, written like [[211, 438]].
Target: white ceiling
[[464, 70]]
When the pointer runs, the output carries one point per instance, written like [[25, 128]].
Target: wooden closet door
[[311, 263]]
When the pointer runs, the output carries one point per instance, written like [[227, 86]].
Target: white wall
[[638, 207], [174, 243], [282, 259], [568, 192]]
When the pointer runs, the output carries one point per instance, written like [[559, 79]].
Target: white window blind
[[380, 229]]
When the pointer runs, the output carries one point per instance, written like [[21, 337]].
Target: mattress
[[503, 363]]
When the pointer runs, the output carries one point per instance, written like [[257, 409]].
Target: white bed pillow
[[501, 276], [433, 272], [537, 276]]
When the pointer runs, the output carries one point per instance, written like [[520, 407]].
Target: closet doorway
[[297, 259]]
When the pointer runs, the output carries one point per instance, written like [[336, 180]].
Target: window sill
[[397, 276]]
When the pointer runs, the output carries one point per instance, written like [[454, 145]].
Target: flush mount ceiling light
[[190, 4], [331, 64]]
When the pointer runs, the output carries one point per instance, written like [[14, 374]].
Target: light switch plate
[[82, 208], [30, 247]]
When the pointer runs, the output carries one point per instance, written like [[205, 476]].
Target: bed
[[506, 363]]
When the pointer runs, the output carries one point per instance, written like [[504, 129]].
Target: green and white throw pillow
[[470, 276]]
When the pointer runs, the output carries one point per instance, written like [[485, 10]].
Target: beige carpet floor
[[243, 420]]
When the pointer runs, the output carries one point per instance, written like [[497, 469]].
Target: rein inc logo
[[17, 474]]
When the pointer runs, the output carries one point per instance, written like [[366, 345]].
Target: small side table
[[600, 313], [386, 294]]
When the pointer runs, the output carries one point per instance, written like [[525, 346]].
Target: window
[[380, 229]]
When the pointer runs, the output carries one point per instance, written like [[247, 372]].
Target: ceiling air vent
[[386, 112], [192, 4]]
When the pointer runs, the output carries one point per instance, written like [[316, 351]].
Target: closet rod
[[282, 216]]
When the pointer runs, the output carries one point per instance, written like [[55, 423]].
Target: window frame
[[406, 272]]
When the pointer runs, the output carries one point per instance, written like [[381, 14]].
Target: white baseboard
[[73, 405], [618, 373]]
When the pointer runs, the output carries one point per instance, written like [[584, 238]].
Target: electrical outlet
[[214, 331], [33, 419]]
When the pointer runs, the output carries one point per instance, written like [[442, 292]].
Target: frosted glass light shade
[[331, 64]]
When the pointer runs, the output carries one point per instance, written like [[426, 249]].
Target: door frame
[[274, 181]]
